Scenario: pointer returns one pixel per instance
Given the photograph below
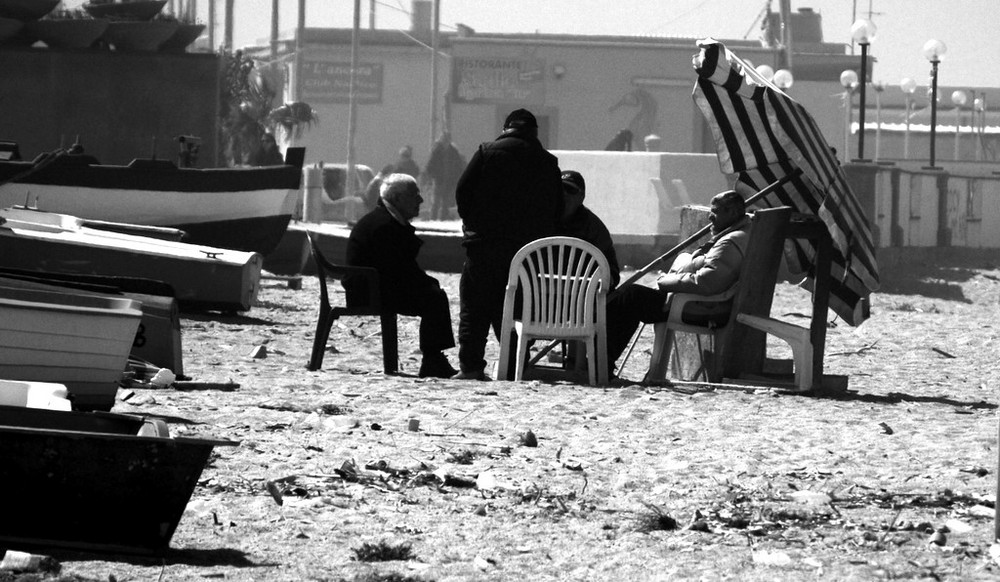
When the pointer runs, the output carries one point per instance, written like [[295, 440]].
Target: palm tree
[[247, 110]]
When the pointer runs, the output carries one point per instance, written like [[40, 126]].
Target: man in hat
[[580, 222], [509, 195], [385, 240]]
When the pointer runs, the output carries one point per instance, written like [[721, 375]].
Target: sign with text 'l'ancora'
[[498, 80], [330, 82]]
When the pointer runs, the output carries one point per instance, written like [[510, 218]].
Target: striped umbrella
[[761, 135]]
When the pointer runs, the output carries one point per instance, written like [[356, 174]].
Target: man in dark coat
[[444, 168], [509, 195], [405, 164], [385, 240]]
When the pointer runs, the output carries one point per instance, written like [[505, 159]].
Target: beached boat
[[95, 481], [81, 341], [246, 209], [203, 278], [158, 339]]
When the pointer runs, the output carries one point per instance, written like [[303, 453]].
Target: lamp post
[[959, 99], [908, 86], [863, 32], [879, 87], [933, 51], [979, 110], [849, 81]]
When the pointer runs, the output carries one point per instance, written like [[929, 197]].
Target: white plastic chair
[[563, 284]]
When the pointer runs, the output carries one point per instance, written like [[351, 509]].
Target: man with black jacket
[[509, 195], [385, 240]]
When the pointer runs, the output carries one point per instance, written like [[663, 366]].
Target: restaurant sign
[[497, 80], [330, 82]]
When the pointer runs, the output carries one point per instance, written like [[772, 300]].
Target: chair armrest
[[679, 300]]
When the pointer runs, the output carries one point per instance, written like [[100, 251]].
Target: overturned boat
[[203, 278]]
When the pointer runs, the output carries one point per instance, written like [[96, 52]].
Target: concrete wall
[[622, 187], [117, 102]]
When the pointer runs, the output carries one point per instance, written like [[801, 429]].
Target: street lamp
[[959, 99], [933, 51], [849, 81], [908, 86], [863, 32], [765, 71], [783, 79]]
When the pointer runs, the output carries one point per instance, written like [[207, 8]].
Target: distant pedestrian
[[444, 168], [405, 164], [267, 154], [622, 142]]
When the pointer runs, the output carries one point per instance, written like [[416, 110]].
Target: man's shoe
[[471, 375], [436, 366]]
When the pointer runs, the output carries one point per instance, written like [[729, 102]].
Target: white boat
[[80, 341], [158, 340], [203, 278]]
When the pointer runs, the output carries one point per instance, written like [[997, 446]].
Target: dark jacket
[[586, 225], [510, 193], [267, 157], [378, 240]]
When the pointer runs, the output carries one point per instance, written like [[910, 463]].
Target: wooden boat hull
[[203, 278], [80, 341], [245, 209], [95, 481]]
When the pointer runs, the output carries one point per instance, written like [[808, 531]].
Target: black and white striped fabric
[[761, 135]]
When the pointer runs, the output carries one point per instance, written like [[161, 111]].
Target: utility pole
[[349, 186], [274, 28], [434, 69], [298, 50], [211, 26], [228, 38], [371, 14]]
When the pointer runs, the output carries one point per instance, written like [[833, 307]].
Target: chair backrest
[[562, 283], [744, 348]]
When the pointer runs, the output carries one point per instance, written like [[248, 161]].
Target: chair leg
[[390, 343], [592, 368], [601, 358], [522, 358], [323, 325], [502, 366], [659, 361]]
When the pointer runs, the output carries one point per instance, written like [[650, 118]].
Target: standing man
[[385, 240], [444, 168], [509, 195]]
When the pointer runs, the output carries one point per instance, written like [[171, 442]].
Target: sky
[[967, 27]]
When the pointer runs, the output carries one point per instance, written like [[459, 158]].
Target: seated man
[[712, 268], [630, 305], [715, 266], [385, 240]]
